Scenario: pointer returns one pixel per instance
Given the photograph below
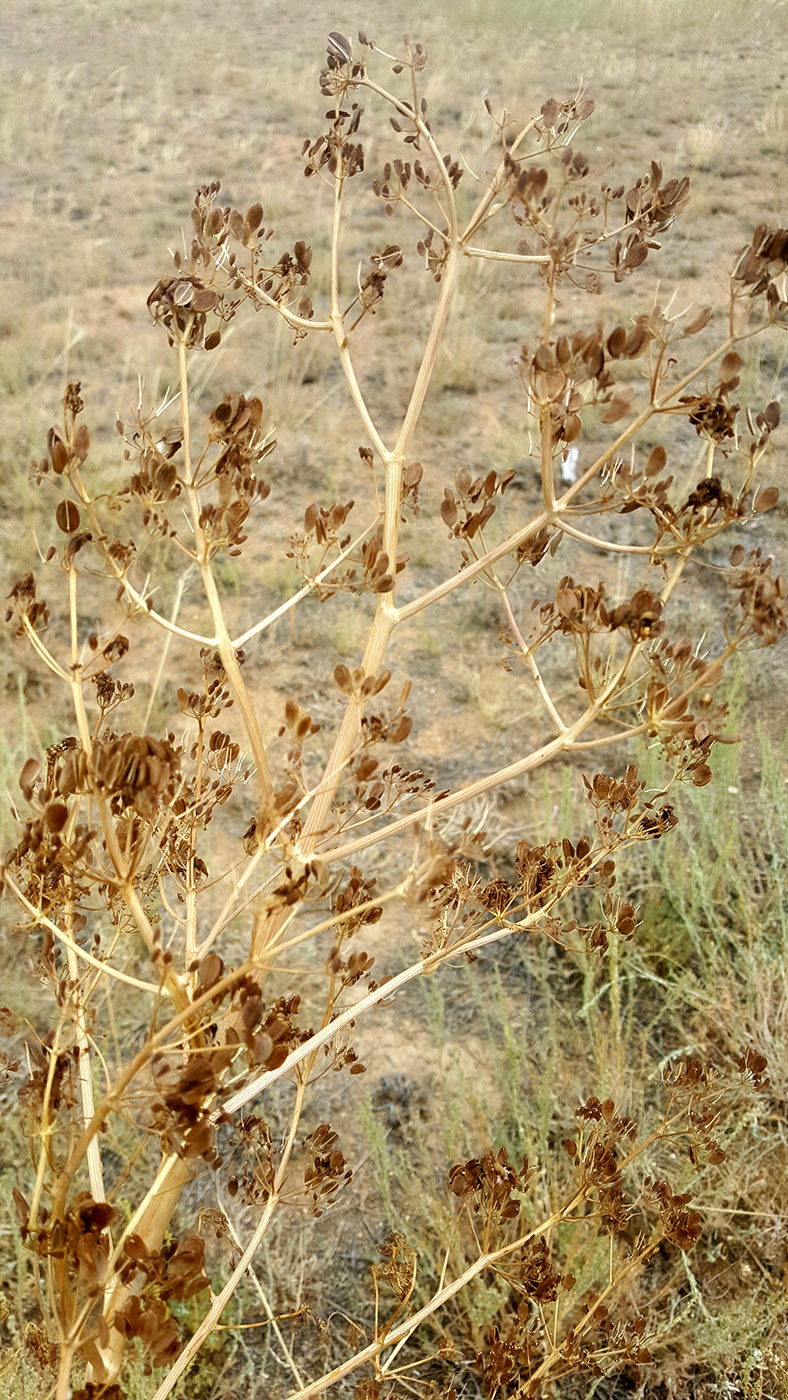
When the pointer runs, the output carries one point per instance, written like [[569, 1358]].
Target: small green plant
[[200, 886]]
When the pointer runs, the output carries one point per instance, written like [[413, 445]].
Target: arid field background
[[111, 113]]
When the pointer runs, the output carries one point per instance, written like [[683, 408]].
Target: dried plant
[[124, 892]]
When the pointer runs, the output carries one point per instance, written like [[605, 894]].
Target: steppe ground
[[111, 112]]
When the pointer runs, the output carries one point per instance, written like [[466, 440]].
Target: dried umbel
[[121, 889]]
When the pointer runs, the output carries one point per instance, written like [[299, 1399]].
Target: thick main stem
[[221, 1300], [385, 615], [151, 1226]]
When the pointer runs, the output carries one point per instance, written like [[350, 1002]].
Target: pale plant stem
[[338, 323], [486, 1260], [533, 760], [221, 1300], [391, 1358], [95, 1169], [266, 933], [546, 518], [548, 485], [269, 1312], [164, 622], [46, 1129], [120, 574], [42, 651], [63, 937], [156, 1187], [165, 651], [526, 651], [428, 138], [128, 892], [495, 256], [479, 214], [409, 1325], [384, 618], [84, 1062], [224, 641], [630, 732], [308, 588], [296, 322], [402, 199], [152, 1223], [476, 566], [547, 326], [190, 927], [190, 897], [75, 679], [65, 1360], [338, 327], [347, 1017], [611, 545], [355, 392], [448, 287], [634, 1264]]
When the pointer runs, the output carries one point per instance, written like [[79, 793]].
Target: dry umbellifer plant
[[131, 905]]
